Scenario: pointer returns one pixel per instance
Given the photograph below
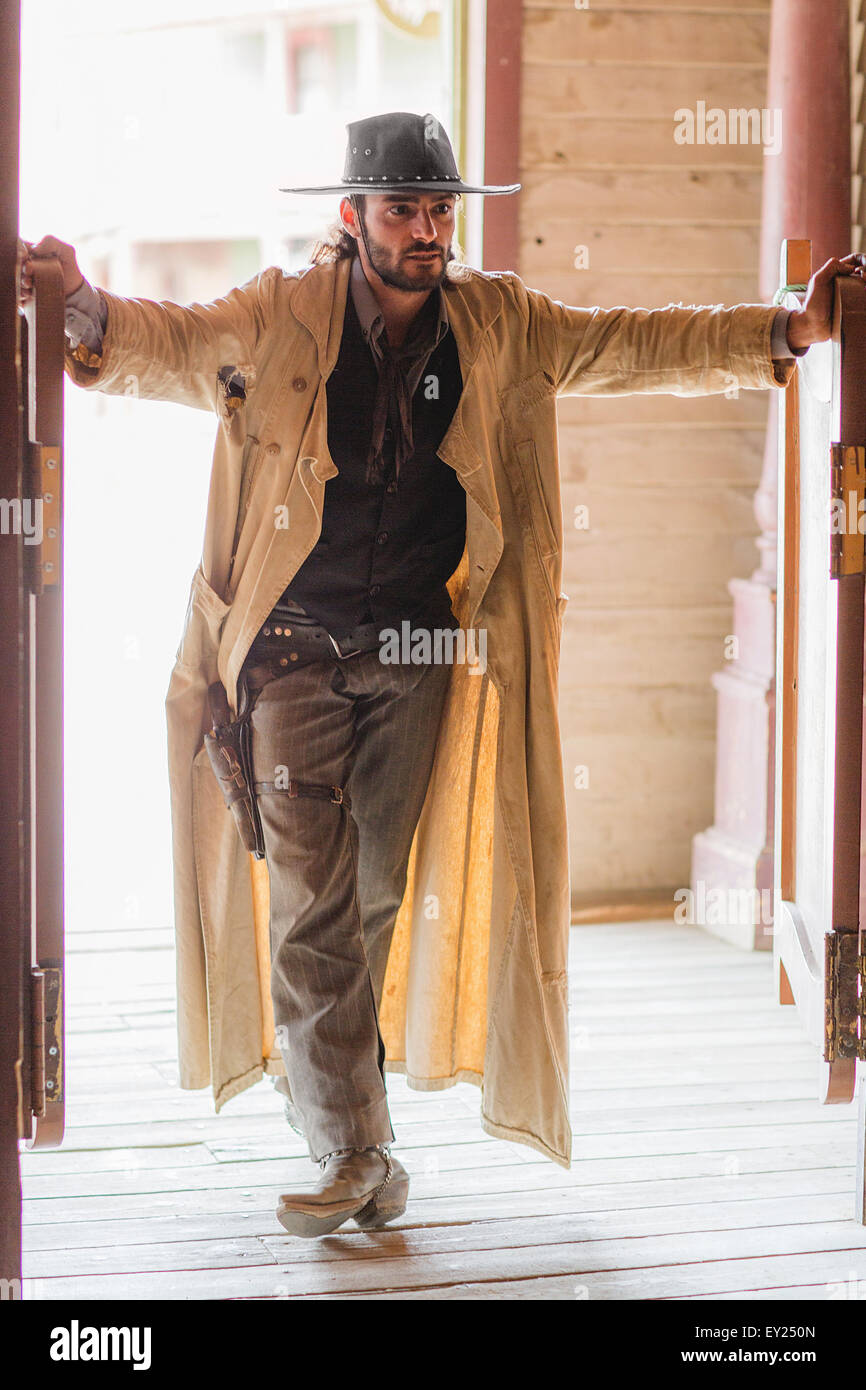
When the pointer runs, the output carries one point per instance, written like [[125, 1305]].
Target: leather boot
[[391, 1201], [352, 1184]]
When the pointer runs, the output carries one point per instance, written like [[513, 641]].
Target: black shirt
[[386, 549]]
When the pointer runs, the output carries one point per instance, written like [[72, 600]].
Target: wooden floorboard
[[658, 1219], [703, 1165]]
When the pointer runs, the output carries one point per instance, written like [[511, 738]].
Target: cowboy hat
[[400, 149]]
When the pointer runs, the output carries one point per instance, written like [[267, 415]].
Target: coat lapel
[[319, 303], [471, 312]]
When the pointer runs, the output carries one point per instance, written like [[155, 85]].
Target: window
[[320, 68]]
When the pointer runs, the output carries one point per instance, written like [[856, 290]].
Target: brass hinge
[[848, 505], [43, 485], [844, 1034], [46, 1070]]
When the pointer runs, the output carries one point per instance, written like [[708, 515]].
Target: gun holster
[[229, 747]]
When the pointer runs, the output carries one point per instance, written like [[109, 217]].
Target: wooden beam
[[502, 132]]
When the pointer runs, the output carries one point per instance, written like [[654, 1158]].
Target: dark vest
[[386, 551]]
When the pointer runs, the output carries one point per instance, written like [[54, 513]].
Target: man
[[387, 457]]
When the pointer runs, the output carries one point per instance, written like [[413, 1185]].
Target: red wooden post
[[502, 132]]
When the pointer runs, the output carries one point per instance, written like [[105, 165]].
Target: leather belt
[[293, 644]]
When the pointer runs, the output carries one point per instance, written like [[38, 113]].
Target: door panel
[[41, 363], [14, 878], [819, 701]]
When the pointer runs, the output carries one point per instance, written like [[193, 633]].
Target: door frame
[[14, 874]]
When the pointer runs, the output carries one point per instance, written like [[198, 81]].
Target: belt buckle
[[335, 644]]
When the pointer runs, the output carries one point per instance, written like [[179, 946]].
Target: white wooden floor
[[704, 1167]]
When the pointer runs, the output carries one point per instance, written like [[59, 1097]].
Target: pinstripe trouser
[[337, 876]]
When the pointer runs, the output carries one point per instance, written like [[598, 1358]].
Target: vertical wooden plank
[[850, 415], [13, 878], [44, 646], [848, 425]]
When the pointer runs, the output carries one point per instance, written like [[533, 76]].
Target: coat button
[[272, 449], [300, 383]]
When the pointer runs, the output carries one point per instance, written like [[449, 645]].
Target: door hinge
[[43, 484], [848, 504], [844, 1031], [46, 1070]]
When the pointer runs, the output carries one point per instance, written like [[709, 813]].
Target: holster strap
[[294, 788]]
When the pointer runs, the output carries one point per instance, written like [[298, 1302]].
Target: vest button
[[300, 383], [374, 589], [382, 537], [272, 449]]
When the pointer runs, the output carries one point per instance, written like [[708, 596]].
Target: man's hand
[[814, 322], [49, 246]]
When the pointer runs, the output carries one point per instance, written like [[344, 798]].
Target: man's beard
[[387, 266]]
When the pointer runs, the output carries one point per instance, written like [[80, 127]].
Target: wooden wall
[[669, 482]]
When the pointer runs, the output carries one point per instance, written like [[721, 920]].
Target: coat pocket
[[539, 516], [205, 617]]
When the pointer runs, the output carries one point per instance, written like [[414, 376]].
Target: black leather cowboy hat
[[400, 149]]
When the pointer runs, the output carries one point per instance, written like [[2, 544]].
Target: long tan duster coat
[[476, 986]]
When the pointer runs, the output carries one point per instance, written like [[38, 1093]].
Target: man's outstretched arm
[[682, 351], [158, 351]]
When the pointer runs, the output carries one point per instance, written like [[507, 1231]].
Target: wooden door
[[13, 878], [818, 946], [31, 720], [41, 714]]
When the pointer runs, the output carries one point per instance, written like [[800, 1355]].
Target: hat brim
[[443, 186]]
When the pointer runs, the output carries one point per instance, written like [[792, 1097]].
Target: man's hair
[[336, 244]]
